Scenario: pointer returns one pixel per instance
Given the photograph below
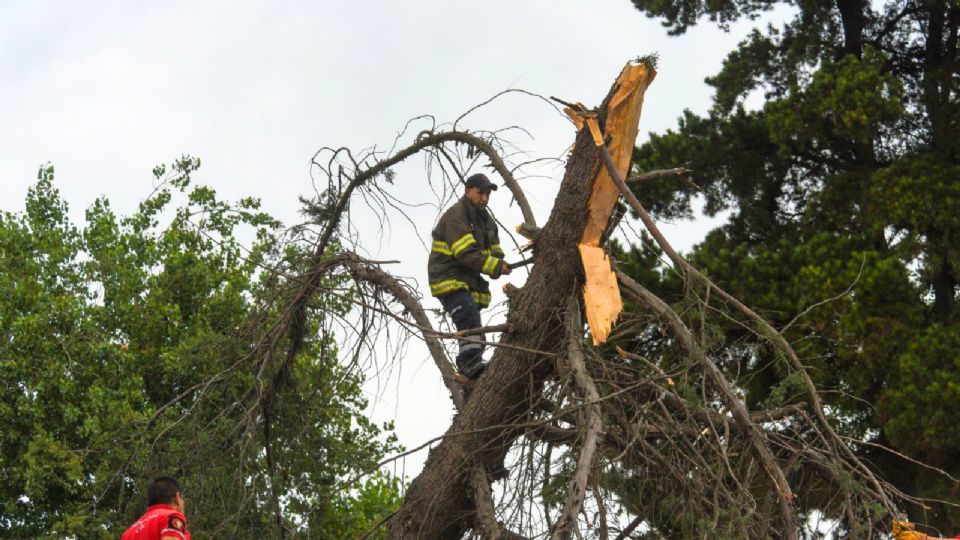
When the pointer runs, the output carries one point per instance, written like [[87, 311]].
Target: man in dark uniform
[[164, 519], [466, 245]]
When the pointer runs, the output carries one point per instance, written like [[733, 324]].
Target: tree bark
[[852, 17], [438, 504]]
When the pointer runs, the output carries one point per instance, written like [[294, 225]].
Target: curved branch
[[384, 280], [424, 141]]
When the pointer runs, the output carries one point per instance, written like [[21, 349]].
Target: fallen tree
[[642, 431]]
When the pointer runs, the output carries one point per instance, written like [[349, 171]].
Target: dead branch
[[733, 403], [679, 171], [834, 442], [378, 277], [577, 487]]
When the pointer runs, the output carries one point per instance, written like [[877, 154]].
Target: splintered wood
[[601, 295]]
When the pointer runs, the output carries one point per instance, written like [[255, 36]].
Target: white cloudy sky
[[106, 90]]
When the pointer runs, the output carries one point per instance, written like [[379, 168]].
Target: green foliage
[[677, 16], [126, 351], [923, 383], [845, 104]]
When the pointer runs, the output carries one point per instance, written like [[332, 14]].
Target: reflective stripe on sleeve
[[497, 250], [490, 265], [463, 243], [440, 246]]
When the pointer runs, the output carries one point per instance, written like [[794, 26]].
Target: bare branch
[[486, 520], [576, 491]]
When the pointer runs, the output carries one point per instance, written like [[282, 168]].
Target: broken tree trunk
[[439, 503]]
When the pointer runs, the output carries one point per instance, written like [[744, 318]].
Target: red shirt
[[160, 521]]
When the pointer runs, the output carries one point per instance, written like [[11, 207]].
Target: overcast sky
[[107, 90]]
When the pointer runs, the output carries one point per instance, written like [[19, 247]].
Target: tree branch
[[577, 487], [384, 280], [486, 520]]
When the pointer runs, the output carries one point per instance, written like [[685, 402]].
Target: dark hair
[[163, 490]]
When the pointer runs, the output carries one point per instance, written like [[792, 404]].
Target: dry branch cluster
[[647, 436]]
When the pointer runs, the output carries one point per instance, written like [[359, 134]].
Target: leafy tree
[[842, 185], [126, 352]]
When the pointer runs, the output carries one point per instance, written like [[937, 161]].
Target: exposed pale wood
[[620, 129], [437, 504], [600, 293], [528, 232], [595, 131], [575, 116], [601, 296]]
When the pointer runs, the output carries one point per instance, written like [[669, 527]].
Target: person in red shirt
[[164, 519]]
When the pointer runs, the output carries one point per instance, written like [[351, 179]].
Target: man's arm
[[497, 251]]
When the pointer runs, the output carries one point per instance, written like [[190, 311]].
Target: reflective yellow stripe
[[485, 252], [463, 243], [446, 286], [496, 250], [490, 265], [442, 247], [482, 299]]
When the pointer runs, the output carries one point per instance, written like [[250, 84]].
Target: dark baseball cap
[[481, 181]]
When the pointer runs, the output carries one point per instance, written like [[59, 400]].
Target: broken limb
[[740, 414], [679, 171], [835, 444]]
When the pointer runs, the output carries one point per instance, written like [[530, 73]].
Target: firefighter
[[465, 246]]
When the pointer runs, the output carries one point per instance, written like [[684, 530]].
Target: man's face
[[478, 196]]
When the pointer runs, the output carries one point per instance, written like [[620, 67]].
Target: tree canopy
[[128, 352]]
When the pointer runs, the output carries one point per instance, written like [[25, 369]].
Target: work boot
[[472, 370]]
